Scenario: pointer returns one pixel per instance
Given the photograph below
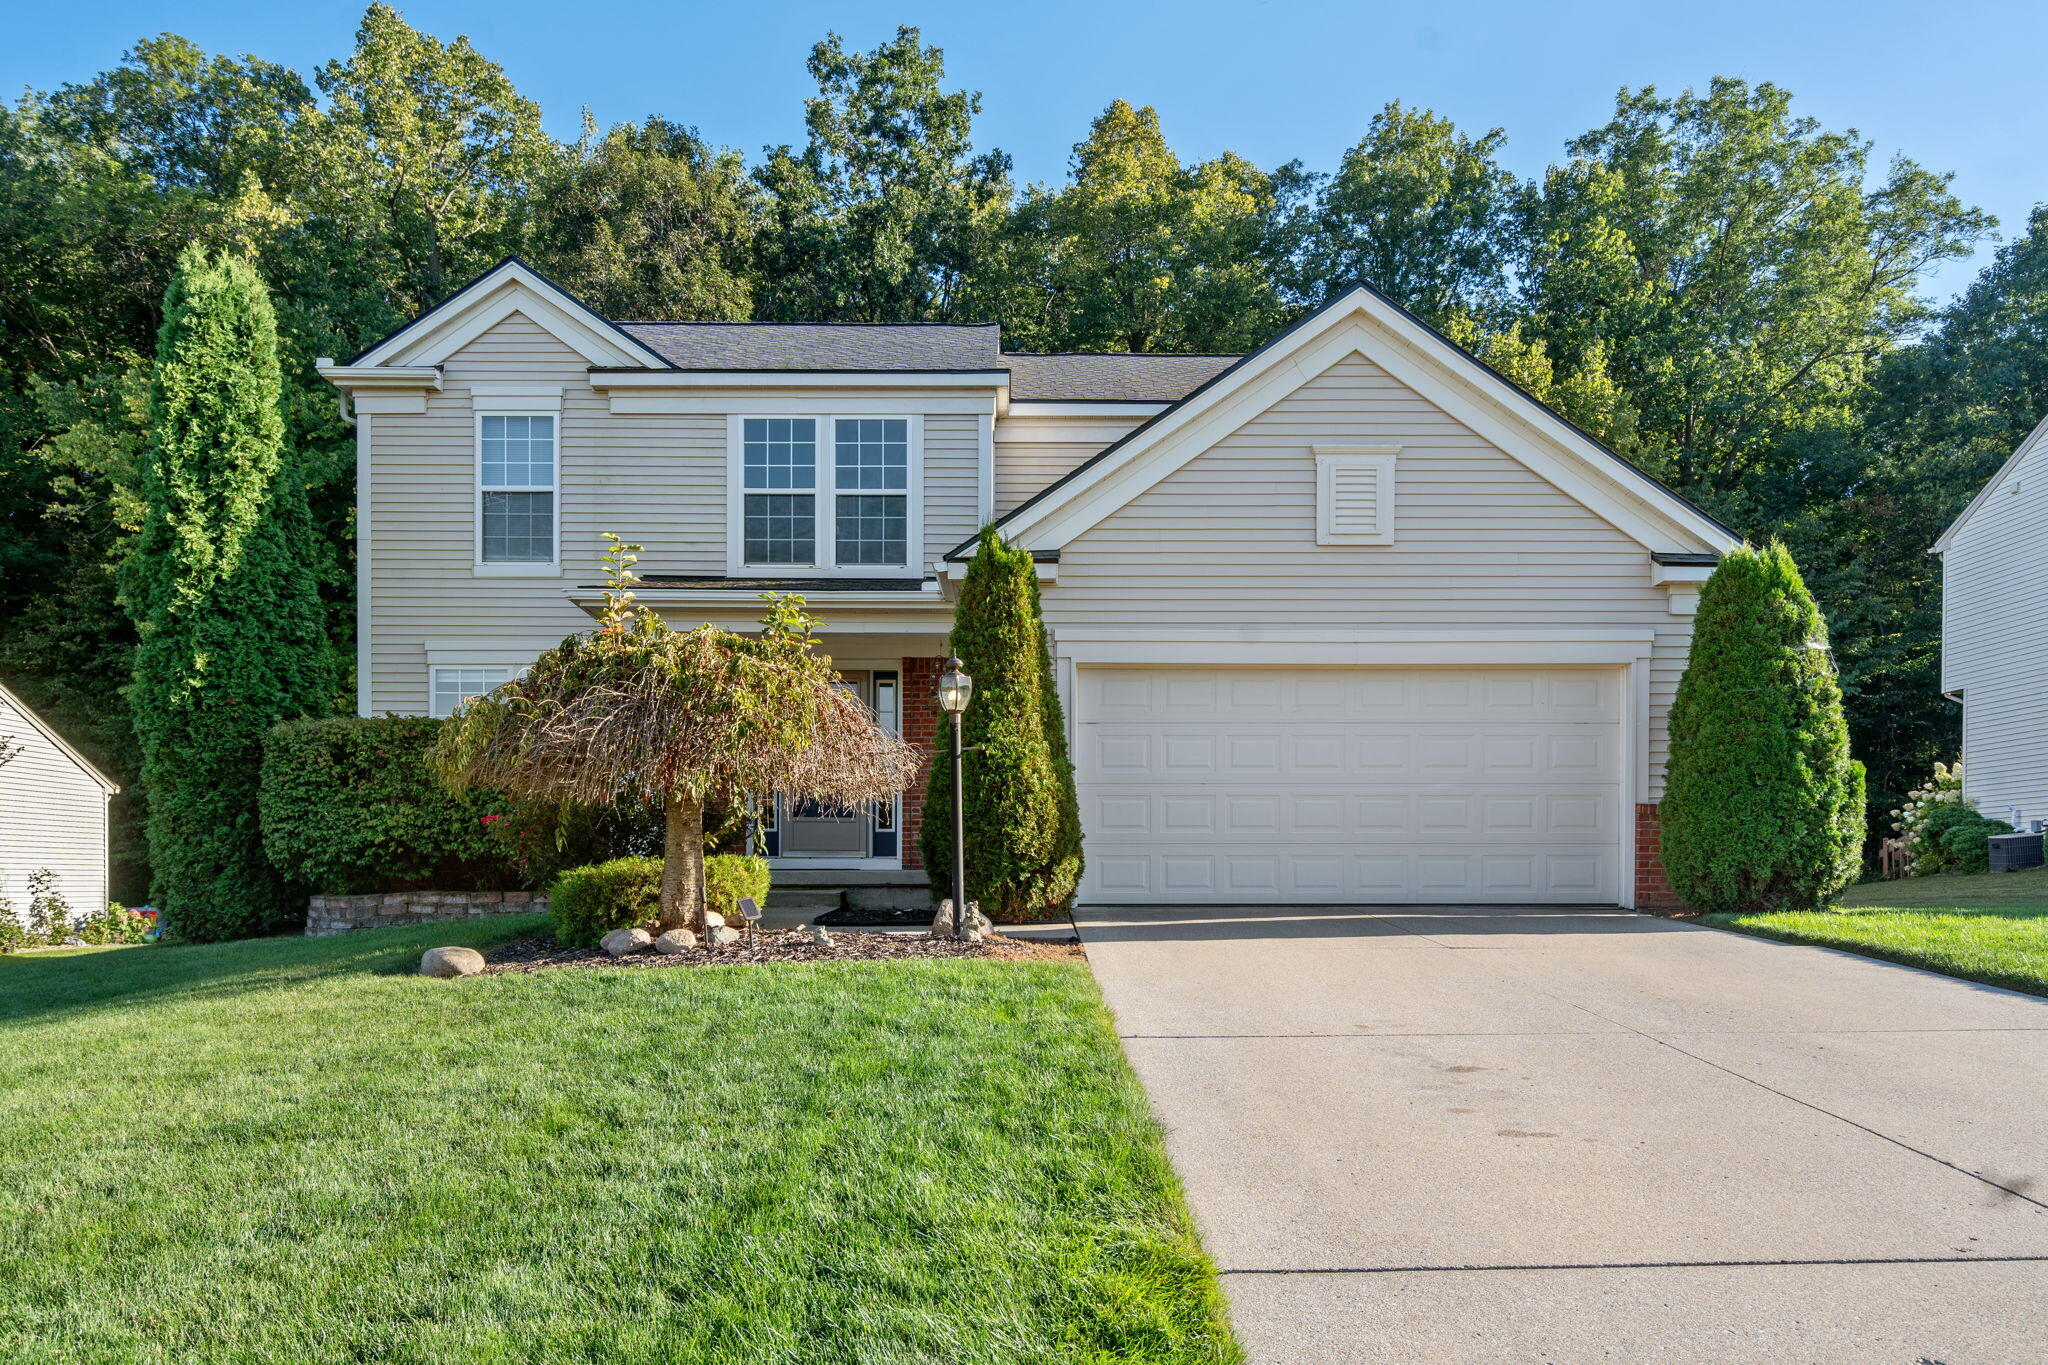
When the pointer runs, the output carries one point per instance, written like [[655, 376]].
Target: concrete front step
[[814, 890]]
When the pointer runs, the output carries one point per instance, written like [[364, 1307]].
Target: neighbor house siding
[[53, 814], [654, 479], [1033, 453], [1994, 596], [1230, 538]]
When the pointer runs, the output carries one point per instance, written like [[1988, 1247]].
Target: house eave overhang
[[36, 722], [605, 380], [380, 378], [2034, 438]]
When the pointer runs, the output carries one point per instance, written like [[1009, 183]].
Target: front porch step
[[795, 874], [817, 889]]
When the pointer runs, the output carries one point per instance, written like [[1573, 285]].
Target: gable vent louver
[[1355, 495]]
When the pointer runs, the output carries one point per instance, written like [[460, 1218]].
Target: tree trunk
[[682, 866]]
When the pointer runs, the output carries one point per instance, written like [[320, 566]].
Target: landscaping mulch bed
[[776, 945], [850, 918]]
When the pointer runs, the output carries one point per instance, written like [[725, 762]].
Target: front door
[[816, 829]]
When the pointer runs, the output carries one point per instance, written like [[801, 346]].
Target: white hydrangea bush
[[1910, 821]]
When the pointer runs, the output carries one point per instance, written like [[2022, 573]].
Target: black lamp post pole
[[959, 837]]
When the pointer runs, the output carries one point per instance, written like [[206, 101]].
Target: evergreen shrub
[[589, 902]]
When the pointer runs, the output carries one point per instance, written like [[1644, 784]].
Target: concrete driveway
[[1535, 1135]]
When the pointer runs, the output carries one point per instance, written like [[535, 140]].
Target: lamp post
[[955, 687]]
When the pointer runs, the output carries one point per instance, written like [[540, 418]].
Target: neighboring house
[[53, 812], [1994, 635], [1349, 619]]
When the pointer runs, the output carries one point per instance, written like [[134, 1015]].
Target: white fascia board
[[380, 378], [954, 570], [2036, 437], [512, 287], [1662, 574], [1359, 321], [1086, 409], [36, 722], [798, 379]]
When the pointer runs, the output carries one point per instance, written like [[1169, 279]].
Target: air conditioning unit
[[2015, 852]]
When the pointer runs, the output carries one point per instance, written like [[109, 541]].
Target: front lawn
[[1992, 927], [292, 1150]]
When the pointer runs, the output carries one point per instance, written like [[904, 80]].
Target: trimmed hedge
[[589, 902], [1763, 807], [348, 806]]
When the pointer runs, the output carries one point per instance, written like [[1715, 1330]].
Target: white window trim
[[826, 490], [1329, 460], [515, 400], [513, 668]]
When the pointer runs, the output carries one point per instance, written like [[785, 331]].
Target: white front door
[[1350, 785]]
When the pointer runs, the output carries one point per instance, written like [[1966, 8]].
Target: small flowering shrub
[[1941, 830], [115, 924]]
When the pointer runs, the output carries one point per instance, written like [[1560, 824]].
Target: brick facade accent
[[921, 727], [1653, 889]]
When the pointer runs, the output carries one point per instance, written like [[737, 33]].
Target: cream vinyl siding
[[1033, 453], [1994, 644], [657, 479], [1230, 537], [53, 814]]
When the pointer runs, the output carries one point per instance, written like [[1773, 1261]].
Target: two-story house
[[1994, 635], [1348, 619]]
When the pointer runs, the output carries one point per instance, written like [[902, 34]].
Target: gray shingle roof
[[820, 346], [1124, 378], [926, 346]]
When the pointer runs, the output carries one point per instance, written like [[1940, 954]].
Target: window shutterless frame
[[531, 424], [856, 494]]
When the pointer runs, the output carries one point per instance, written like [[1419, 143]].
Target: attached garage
[[1315, 784]]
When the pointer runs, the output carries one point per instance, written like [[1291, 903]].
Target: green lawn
[[292, 1150], [1991, 928]]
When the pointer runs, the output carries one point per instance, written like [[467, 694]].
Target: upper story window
[[801, 508], [516, 488]]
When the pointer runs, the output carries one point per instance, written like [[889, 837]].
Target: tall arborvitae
[[228, 612], [1023, 819], [1763, 807]]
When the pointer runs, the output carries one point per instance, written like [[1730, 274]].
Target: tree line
[[1723, 290]]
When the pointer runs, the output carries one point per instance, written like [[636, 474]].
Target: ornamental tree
[[1023, 819], [1763, 807], [638, 710], [232, 630]]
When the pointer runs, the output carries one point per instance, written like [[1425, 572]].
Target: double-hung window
[[516, 488], [454, 686], [825, 493]]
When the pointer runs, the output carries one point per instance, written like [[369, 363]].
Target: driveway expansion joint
[[1632, 1265]]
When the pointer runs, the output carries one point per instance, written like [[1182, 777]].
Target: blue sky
[[1956, 86]]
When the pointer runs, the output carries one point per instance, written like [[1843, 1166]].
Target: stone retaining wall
[[338, 914]]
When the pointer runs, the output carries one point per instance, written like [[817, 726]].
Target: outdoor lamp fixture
[[955, 687]]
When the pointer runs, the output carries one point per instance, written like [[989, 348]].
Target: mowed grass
[[292, 1150], [1991, 927]]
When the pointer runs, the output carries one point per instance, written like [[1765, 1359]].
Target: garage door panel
[[1360, 785]]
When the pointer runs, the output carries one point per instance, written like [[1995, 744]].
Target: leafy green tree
[[422, 163], [1139, 252], [1023, 819], [228, 616], [1739, 281], [1763, 807], [1420, 210], [884, 214], [649, 221]]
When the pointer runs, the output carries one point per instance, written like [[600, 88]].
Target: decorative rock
[[978, 924], [942, 922], [818, 934], [720, 936], [620, 942], [451, 962], [713, 920], [675, 941]]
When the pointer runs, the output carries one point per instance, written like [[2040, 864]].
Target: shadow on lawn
[[40, 984]]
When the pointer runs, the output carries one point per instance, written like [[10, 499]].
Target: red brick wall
[[1653, 889], [921, 728]]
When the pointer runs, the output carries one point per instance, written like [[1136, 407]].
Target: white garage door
[[1392, 786]]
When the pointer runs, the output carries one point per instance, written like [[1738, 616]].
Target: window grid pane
[[781, 528], [781, 452], [519, 452], [871, 529], [519, 528], [454, 686], [872, 452]]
